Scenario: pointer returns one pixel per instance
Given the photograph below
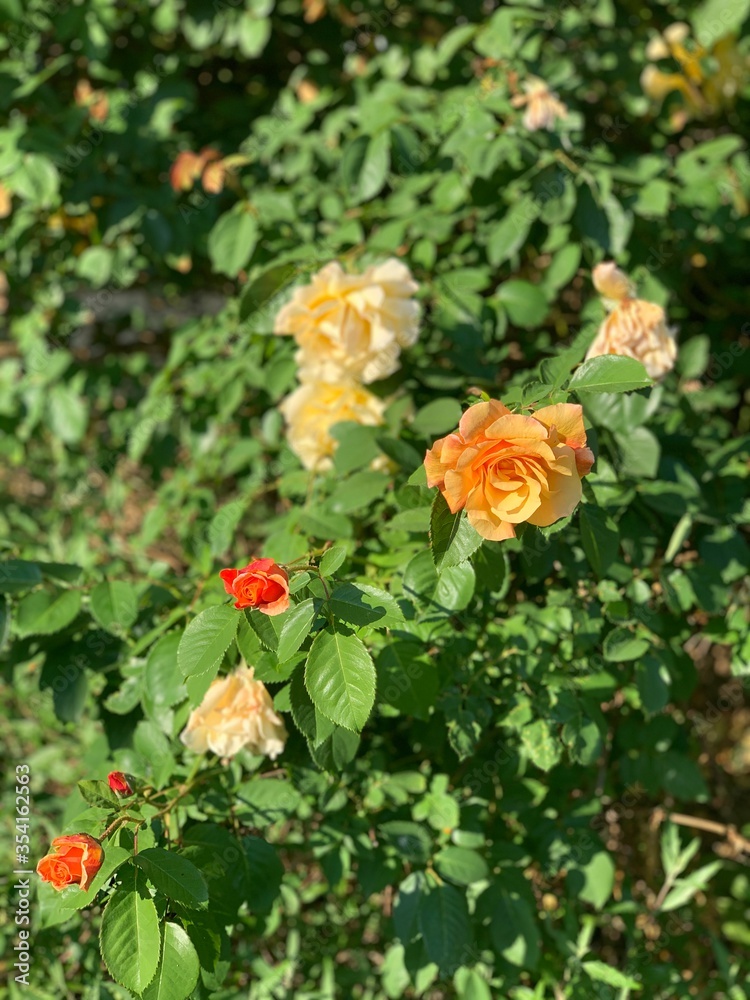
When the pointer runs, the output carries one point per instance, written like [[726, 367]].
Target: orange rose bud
[[119, 783], [74, 860], [261, 584]]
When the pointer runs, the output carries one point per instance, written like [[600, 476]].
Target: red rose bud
[[119, 783]]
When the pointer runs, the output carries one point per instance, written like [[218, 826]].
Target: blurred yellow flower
[[6, 201], [236, 712], [312, 409], [707, 79], [543, 106], [634, 328], [352, 326]]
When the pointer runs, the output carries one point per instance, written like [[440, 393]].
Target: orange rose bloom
[[506, 468], [261, 584], [74, 860]]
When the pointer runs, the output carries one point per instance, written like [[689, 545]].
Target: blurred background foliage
[[498, 832]]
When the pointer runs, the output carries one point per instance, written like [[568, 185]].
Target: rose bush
[[467, 728]]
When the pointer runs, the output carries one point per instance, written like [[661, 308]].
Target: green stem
[[149, 637]]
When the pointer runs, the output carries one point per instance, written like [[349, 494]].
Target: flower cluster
[[505, 468], [350, 330], [634, 327], [704, 91]]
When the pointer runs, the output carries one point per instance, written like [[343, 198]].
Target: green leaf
[[444, 924], [361, 604], [609, 373], [340, 678], [95, 265], [507, 236], [98, 793], [407, 678], [461, 865], [337, 750], [470, 985], [18, 574], [438, 417], [64, 672], [332, 559], [129, 935], [621, 645], [173, 875], [541, 745], [358, 492], [266, 627], [600, 972], [177, 973], [514, 930], [206, 639], [600, 538], [365, 165], [232, 240], [265, 293], [525, 303], [654, 683], [73, 898], [163, 680], [452, 538], [455, 586], [46, 612], [685, 888], [412, 841], [640, 452], [714, 19], [594, 881], [68, 414], [114, 605], [296, 628]]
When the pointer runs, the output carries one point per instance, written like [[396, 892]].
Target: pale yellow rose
[[638, 329], [312, 409], [236, 713], [543, 107], [352, 325]]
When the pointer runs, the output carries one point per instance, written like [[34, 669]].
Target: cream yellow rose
[[236, 713], [312, 409], [352, 326], [543, 107], [504, 468], [707, 80], [634, 327]]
